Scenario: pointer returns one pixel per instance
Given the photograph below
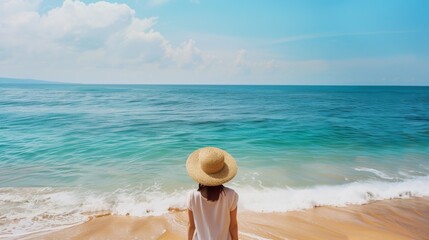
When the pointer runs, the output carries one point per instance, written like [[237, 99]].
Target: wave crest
[[25, 210]]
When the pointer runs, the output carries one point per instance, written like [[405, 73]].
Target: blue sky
[[217, 42]]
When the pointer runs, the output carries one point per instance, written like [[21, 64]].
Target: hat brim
[[194, 170]]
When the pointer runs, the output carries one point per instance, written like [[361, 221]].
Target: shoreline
[[396, 219]]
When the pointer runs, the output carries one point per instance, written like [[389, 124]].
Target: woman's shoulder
[[192, 193], [232, 198], [229, 191]]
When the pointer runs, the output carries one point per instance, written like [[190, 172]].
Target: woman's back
[[212, 218], [212, 209]]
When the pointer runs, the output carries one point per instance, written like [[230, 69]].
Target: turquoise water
[[123, 147]]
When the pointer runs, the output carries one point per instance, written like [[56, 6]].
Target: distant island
[[24, 81]]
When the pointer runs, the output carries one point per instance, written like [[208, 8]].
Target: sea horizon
[[50, 82]]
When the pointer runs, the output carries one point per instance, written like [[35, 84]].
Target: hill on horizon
[[24, 81]]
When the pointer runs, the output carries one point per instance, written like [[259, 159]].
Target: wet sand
[[397, 219]]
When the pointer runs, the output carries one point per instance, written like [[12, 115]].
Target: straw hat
[[211, 166]]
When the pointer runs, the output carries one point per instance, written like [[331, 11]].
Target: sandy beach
[[397, 219]]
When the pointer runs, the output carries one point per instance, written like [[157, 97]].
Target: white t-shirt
[[212, 218]]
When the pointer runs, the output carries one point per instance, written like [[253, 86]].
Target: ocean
[[68, 151]]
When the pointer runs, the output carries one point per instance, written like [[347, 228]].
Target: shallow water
[[66, 149]]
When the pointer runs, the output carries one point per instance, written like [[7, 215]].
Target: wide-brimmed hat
[[211, 166]]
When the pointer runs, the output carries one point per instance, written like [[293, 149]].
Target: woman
[[212, 209]]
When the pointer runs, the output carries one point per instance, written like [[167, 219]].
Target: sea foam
[[25, 210], [376, 172]]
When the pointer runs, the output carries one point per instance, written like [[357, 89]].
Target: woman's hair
[[213, 192]]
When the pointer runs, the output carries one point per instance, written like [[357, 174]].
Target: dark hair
[[211, 193]]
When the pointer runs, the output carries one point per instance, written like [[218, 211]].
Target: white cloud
[[333, 35], [156, 3], [240, 58], [11, 7], [77, 33], [187, 55], [102, 41], [243, 64]]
